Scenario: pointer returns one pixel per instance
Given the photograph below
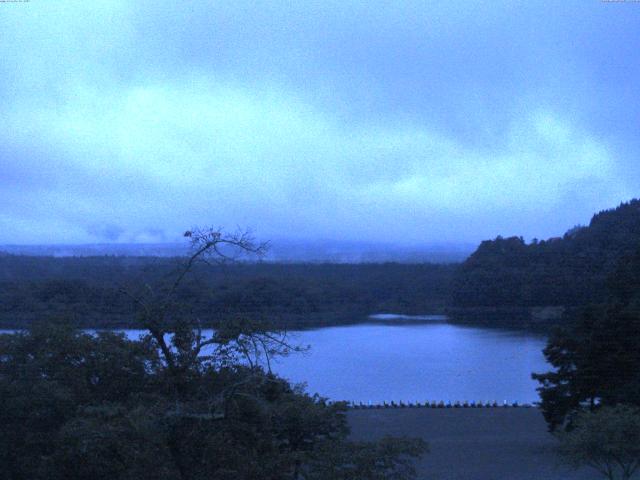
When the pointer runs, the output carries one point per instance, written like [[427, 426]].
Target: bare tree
[[180, 337]]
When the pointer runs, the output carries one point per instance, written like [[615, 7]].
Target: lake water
[[418, 362], [415, 361]]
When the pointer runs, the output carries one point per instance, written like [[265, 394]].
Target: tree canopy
[[570, 271], [595, 355], [89, 290]]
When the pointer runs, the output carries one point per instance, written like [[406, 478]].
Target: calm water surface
[[419, 362], [415, 362]]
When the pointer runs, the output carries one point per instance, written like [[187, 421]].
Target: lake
[[418, 362], [415, 359]]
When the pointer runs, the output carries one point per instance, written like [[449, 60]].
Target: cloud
[[180, 154], [108, 232], [125, 121]]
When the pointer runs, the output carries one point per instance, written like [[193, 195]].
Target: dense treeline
[[97, 291], [505, 277], [595, 353], [570, 271]]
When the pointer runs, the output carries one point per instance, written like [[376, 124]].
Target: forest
[[96, 292], [512, 276], [501, 282]]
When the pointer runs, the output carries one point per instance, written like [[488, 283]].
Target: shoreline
[[511, 319]]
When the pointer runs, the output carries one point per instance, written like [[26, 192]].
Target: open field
[[473, 444]]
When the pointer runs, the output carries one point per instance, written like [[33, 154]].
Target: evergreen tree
[[596, 356]]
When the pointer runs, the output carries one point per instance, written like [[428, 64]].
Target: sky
[[407, 122]]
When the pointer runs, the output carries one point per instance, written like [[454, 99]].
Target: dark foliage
[[607, 440], [571, 271], [177, 404], [596, 355], [91, 290], [79, 406]]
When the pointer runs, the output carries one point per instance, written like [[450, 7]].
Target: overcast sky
[[391, 121]]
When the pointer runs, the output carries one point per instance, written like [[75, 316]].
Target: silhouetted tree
[[596, 357], [175, 404]]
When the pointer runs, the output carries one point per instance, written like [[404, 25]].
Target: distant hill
[[567, 271], [98, 250], [280, 250]]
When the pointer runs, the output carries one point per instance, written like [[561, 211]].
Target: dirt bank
[[473, 444]]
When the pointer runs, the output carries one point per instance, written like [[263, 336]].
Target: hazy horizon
[[400, 123], [279, 250]]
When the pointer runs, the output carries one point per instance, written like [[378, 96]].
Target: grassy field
[[473, 444]]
